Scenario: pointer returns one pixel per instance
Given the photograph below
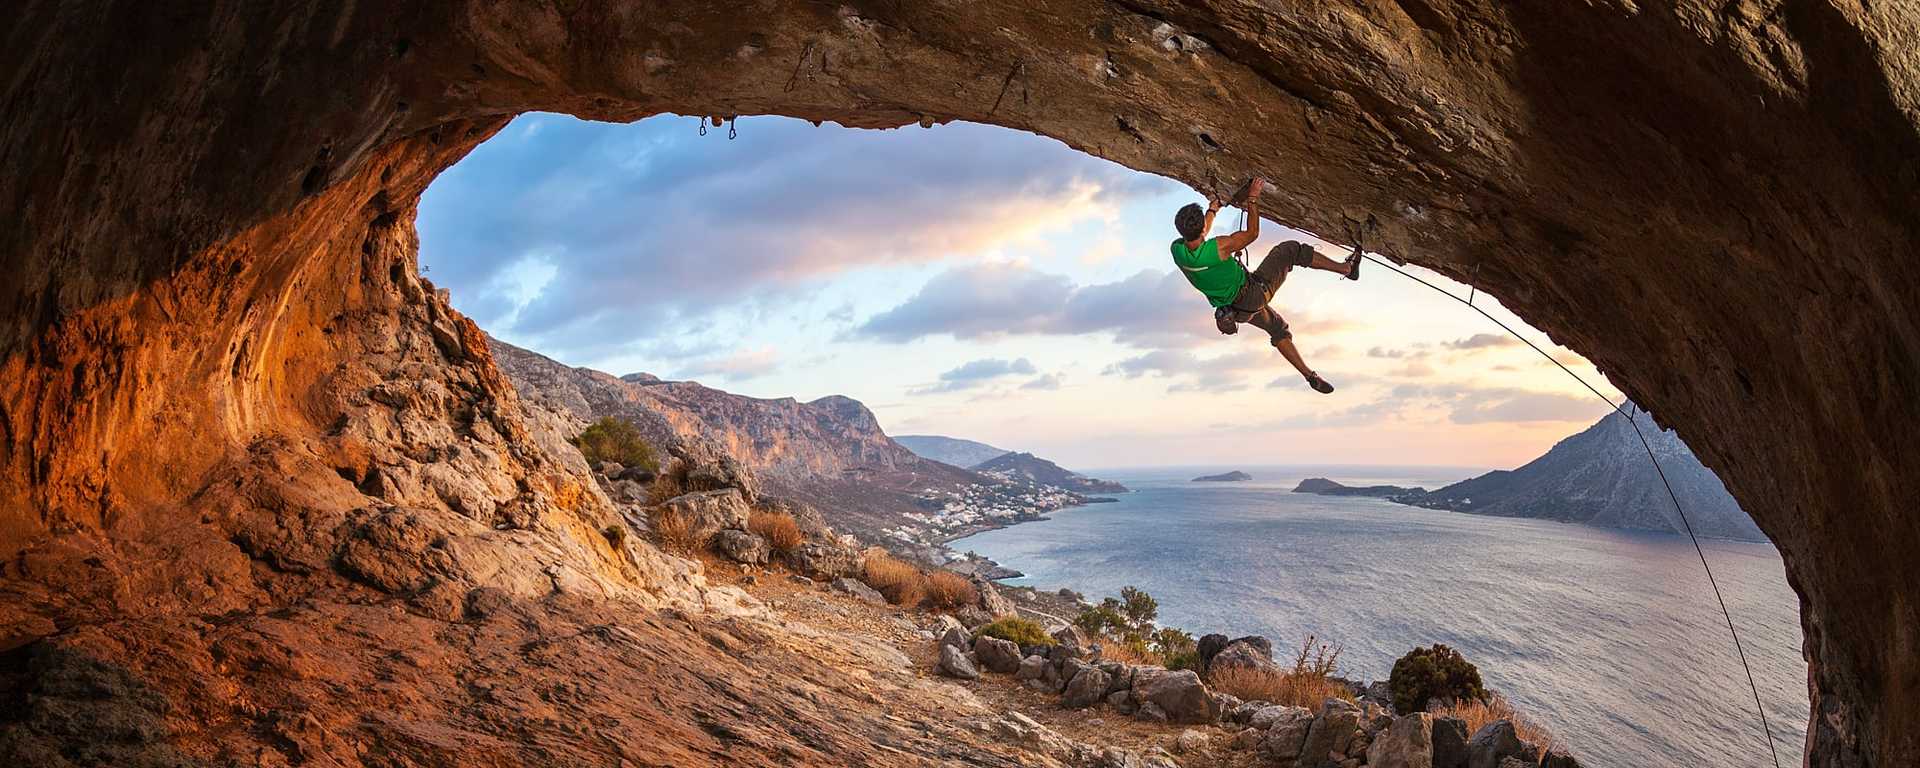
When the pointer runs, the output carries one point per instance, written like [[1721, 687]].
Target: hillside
[[829, 452], [1046, 472], [1601, 476], [950, 450]]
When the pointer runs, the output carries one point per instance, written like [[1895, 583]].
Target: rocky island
[[1224, 477], [1323, 487]]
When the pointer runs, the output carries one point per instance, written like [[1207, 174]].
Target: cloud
[[1048, 382], [1225, 373], [583, 237], [1150, 309], [1475, 405], [1482, 341], [977, 372], [1389, 353], [739, 366]]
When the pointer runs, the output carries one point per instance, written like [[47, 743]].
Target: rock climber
[[1239, 296]]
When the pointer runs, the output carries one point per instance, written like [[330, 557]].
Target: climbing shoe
[[1353, 266], [1319, 385]]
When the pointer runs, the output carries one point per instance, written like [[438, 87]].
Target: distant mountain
[[950, 450], [1046, 472], [1324, 487], [829, 452], [1601, 476], [1224, 477]]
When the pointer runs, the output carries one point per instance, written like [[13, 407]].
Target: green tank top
[[1220, 279]]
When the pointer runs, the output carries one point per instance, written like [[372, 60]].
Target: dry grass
[[1113, 650], [1308, 684], [900, 582], [673, 530], [1496, 708], [669, 483], [1290, 688], [947, 590], [778, 528]]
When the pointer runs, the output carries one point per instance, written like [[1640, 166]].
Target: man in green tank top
[[1239, 296]]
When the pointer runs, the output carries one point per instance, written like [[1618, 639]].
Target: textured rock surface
[[219, 371]]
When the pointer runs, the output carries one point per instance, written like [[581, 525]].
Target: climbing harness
[[1627, 411]]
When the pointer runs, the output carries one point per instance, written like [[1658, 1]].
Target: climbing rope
[[1628, 412]]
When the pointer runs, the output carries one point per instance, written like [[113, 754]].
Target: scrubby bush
[[900, 582], [1310, 682], [669, 484], [1124, 627], [947, 590], [778, 528], [616, 440], [1019, 630], [1495, 708], [1437, 672], [672, 529]]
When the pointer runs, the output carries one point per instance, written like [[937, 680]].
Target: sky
[[969, 281]]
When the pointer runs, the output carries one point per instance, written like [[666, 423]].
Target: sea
[[1611, 638]]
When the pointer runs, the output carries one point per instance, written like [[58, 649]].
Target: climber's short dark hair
[[1190, 220]]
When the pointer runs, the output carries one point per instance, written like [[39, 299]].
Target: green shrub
[[1020, 631], [616, 440], [1438, 672]]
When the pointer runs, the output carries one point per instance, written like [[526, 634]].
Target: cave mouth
[[630, 224], [1714, 204]]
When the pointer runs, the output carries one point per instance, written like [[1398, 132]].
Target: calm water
[[1611, 638]]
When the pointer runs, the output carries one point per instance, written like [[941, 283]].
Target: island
[[1224, 477], [1324, 487]]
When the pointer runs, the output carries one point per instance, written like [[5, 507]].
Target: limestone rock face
[[220, 369]]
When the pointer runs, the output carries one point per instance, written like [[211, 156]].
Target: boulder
[[1246, 738], [1120, 702], [1266, 716], [1224, 703], [952, 633], [1031, 668], [1143, 677], [627, 491], [723, 473], [1494, 742], [1183, 697], [710, 511], [1242, 713], [608, 468], [991, 601], [636, 475], [1119, 675], [1557, 758], [1190, 741], [1449, 742], [1069, 642], [953, 663], [1150, 712], [1405, 743], [742, 546], [973, 616], [1287, 735], [858, 589], [1333, 730], [1208, 646], [1086, 689], [1252, 652], [1514, 762], [997, 655], [823, 560]]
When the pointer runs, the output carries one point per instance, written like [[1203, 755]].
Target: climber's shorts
[[1250, 305]]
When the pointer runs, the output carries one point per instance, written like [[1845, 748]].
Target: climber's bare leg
[[1323, 263], [1292, 354]]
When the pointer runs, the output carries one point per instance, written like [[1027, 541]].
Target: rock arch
[[211, 297]]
